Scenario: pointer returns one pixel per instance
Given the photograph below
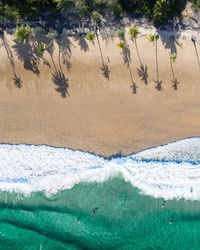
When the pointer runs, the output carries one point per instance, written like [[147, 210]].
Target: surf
[[170, 171]]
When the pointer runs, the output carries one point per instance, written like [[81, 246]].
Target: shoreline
[[99, 115]]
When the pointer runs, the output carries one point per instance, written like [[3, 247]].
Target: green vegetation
[[121, 45], [96, 16], [133, 32], [90, 36], [165, 10], [152, 38], [62, 4], [23, 33], [41, 48], [196, 4], [82, 8], [117, 10], [173, 58], [52, 35], [159, 11]]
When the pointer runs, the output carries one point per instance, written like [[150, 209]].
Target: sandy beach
[[91, 113]]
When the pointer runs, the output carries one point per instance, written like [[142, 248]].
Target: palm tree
[[142, 71], [90, 36], [126, 54], [153, 39], [134, 32], [49, 37], [23, 33], [173, 58], [121, 45], [41, 48], [96, 16]]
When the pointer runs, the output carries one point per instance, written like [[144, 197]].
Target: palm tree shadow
[[175, 84], [25, 53], [158, 85], [104, 68], [105, 71], [81, 41], [174, 81], [17, 80], [196, 51], [127, 59], [134, 88], [61, 82], [45, 62], [59, 79], [143, 73], [158, 82], [65, 45], [126, 55], [171, 43]]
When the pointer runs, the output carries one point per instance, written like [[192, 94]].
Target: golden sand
[[99, 115]]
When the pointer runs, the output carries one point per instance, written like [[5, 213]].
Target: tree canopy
[[160, 11]]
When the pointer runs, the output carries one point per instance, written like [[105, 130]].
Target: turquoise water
[[45, 190], [124, 219]]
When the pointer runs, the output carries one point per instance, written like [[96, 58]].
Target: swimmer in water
[[93, 212], [171, 220], [77, 221], [163, 205]]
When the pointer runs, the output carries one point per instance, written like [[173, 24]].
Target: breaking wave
[[171, 171]]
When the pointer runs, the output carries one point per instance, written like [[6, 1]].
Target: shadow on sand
[[127, 59], [61, 82], [142, 71], [65, 45], [80, 38], [196, 51], [105, 70], [17, 79], [158, 82], [26, 53]]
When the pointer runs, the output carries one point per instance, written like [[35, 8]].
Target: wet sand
[[95, 114]]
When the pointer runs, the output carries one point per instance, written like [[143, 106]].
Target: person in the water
[[171, 220], [163, 205], [77, 221], [93, 212]]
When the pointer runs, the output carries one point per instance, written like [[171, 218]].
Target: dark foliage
[[160, 11]]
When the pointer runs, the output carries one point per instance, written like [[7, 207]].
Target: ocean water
[[45, 190]]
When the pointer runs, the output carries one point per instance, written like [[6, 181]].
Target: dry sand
[[99, 115]]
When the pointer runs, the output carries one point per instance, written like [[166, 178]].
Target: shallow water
[[44, 190]]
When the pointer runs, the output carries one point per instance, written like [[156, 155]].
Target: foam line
[[167, 171]]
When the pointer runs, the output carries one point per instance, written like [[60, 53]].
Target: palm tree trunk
[[53, 63], [157, 62], [172, 69], [197, 55], [130, 72], [100, 48], [138, 52]]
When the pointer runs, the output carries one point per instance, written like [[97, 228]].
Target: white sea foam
[[183, 150], [155, 172]]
